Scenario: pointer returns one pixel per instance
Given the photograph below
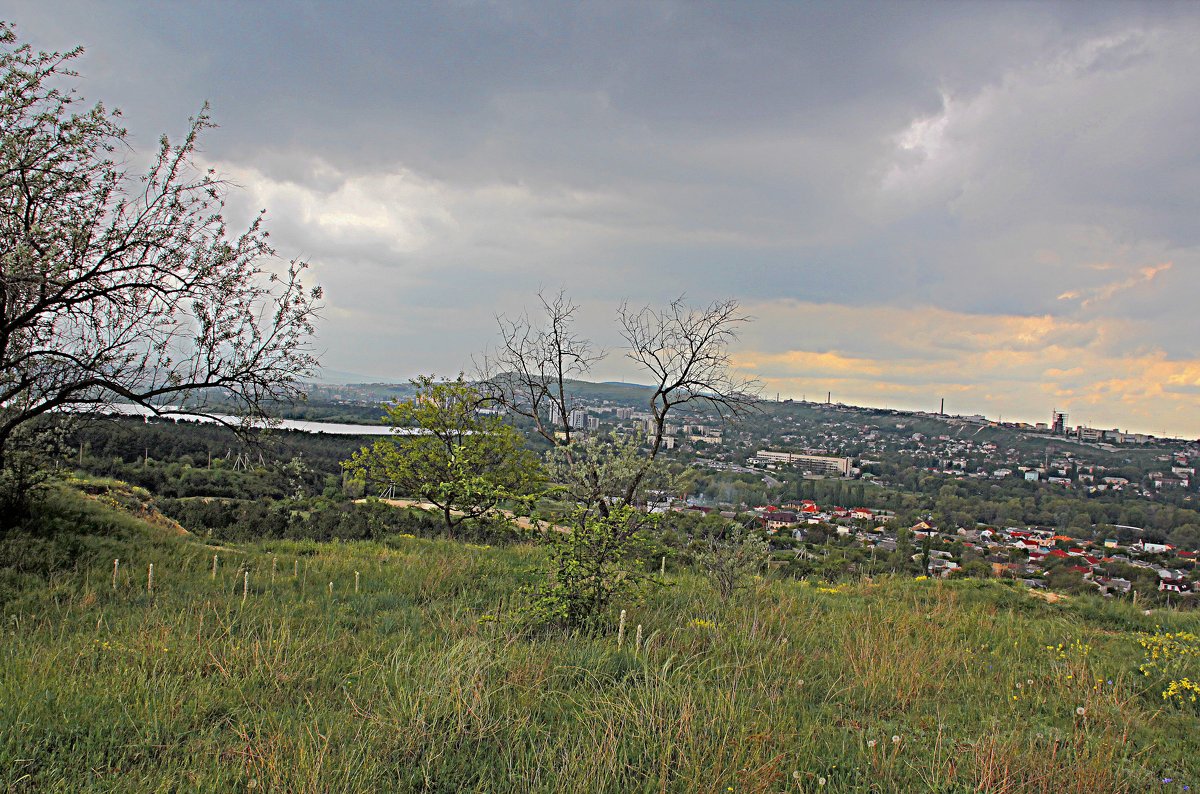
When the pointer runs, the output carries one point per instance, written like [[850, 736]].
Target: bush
[[598, 562], [730, 560]]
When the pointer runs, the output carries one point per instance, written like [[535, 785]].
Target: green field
[[425, 679]]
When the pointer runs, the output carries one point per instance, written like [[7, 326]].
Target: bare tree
[[685, 351], [120, 288], [527, 373]]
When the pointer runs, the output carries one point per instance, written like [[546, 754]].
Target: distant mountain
[[336, 377], [616, 392]]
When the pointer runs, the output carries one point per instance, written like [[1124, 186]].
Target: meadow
[[403, 665]]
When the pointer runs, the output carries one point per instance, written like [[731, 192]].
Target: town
[[1066, 508]]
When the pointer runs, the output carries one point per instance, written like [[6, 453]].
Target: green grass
[[421, 681]]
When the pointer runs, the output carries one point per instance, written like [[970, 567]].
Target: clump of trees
[[451, 451], [120, 287]]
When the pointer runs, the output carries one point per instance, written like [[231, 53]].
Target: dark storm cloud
[[1026, 168]]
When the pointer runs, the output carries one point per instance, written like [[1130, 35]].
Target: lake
[[333, 428]]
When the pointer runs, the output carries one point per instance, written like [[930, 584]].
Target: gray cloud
[[440, 162]]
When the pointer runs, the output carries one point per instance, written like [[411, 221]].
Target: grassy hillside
[[421, 680]]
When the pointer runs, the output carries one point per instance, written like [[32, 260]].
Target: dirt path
[[524, 522]]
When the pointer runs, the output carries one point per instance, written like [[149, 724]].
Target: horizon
[[999, 419], [993, 203]]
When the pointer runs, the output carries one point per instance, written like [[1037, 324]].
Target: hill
[[400, 665]]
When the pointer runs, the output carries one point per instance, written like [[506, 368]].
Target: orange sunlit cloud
[[998, 365]]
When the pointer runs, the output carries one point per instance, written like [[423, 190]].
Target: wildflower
[[1081, 711], [796, 775], [895, 740], [820, 781], [871, 743]]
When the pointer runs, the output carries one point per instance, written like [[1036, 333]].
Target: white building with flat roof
[[813, 463]]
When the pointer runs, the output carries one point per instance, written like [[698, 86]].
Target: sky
[[993, 203]]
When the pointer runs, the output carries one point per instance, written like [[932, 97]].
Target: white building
[[814, 463]]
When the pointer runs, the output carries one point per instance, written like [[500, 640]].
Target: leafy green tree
[[978, 569], [1186, 536], [901, 557], [446, 452]]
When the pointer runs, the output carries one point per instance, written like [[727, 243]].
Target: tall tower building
[[1058, 423]]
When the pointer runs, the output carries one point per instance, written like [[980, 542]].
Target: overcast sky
[[994, 203]]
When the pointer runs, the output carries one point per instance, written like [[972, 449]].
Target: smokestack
[[828, 397], [942, 410]]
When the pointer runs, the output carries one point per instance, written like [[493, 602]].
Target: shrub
[[598, 562], [730, 560]]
